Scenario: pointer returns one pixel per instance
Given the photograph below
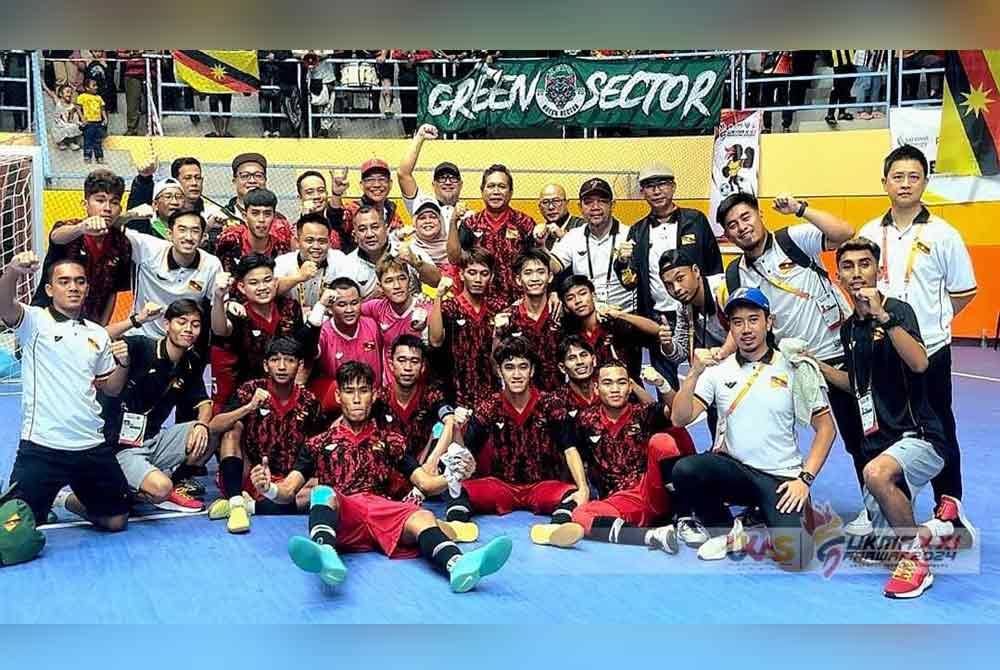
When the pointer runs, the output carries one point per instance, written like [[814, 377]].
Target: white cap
[[163, 184]]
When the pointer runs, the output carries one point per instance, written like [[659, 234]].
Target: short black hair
[[180, 213], [731, 201], [175, 167], [907, 152], [252, 261], [102, 180], [570, 341], [478, 256], [859, 244], [305, 175], [260, 197], [284, 345], [355, 371], [345, 282], [610, 363], [408, 340], [497, 167], [572, 282], [87, 80], [183, 307], [62, 261], [514, 347], [317, 218], [533, 254], [365, 209]]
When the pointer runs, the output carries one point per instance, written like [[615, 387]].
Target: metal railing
[[11, 56]]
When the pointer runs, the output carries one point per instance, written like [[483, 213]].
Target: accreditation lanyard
[[779, 284], [911, 257], [745, 389], [611, 255]]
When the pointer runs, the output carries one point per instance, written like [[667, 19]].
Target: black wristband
[[807, 477], [134, 320], [802, 208]]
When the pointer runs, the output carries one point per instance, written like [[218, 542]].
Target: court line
[[972, 376], [132, 519]]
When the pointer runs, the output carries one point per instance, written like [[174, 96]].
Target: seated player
[[630, 449], [530, 445], [345, 336], [97, 243], [239, 352], [266, 421], [163, 374], [258, 234], [613, 333], [398, 312], [529, 316], [352, 463], [305, 272], [578, 364], [463, 325]]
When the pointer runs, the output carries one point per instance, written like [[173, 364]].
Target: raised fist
[[260, 398], [95, 225], [25, 263], [119, 349], [223, 281], [427, 132]]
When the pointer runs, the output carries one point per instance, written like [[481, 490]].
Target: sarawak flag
[[218, 71], [970, 115]]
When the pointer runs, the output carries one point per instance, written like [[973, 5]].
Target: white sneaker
[[861, 526], [691, 532], [60, 500], [665, 539], [719, 547]]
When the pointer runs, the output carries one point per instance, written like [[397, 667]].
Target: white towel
[[809, 383]]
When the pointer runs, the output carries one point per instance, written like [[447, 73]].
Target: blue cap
[[752, 297]]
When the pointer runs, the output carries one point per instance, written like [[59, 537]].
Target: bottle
[[983, 340]]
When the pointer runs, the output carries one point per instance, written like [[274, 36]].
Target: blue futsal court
[[190, 570]]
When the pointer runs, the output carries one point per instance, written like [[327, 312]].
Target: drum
[[359, 73]]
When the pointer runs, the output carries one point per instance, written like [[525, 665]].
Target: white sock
[[237, 501]]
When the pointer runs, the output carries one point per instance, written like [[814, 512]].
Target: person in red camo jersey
[[259, 234], [499, 229], [352, 463], [530, 448], [530, 317], [265, 421], [463, 324], [630, 449]]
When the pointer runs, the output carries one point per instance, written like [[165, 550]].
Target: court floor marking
[[969, 375], [131, 519]]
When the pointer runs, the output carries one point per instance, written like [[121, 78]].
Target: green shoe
[[219, 509], [479, 563], [317, 558]]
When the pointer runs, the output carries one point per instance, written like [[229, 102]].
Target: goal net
[[20, 225]]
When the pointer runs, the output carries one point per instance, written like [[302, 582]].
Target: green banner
[[654, 93]]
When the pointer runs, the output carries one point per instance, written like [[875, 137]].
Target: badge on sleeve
[[688, 239]]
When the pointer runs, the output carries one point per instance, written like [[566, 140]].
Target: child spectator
[[95, 121], [67, 120]]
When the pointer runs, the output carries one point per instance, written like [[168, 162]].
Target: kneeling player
[[530, 438], [628, 463], [265, 423], [353, 462]]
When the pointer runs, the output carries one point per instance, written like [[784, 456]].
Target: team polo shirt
[[505, 235], [594, 258], [415, 420], [155, 386], [616, 450], [336, 348], [662, 238], [308, 293], [362, 270], [392, 324], [924, 265], [899, 394], [356, 462], [796, 315], [61, 359], [252, 334], [469, 340], [234, 243], [760, 431], [700, 328], [576, 403], [159, 279], [543, 335]]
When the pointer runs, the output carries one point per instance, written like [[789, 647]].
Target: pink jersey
[[335, 348], [391, 325]]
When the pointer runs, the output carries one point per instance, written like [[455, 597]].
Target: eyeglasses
[[551, 202], [172, 196], [660, 184], [252, 176], [447, 179], [376, 180]]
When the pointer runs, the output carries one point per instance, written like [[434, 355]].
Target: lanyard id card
[[866, 408], [829, 309], [133, 430]]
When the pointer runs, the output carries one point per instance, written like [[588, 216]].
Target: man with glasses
[[249, 173], [168, 197], [555, 214], [187, 171], [667, 226]]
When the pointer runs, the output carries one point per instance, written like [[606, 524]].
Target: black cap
[[675, 258], [596, 186], [249, 158], [447, 167]]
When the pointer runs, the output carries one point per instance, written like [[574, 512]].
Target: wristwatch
[[807, 477], [134, 320], [802, 208]]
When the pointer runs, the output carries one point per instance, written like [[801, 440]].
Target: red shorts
[[248, 486], [490, 495], [646, 502], [223, 376], [325, 390], [373, 523]]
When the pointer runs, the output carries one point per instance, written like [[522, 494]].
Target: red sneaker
[[949, 510], [911, 577], [180, 500]]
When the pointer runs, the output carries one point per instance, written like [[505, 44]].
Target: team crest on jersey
[[368, 346], [93, 344], [633, 429], [925, 248], [512, 234], [196, 286], [779, 381], [378, 446], [688, 239], [786, 267], [560, 93], [878, 334]]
